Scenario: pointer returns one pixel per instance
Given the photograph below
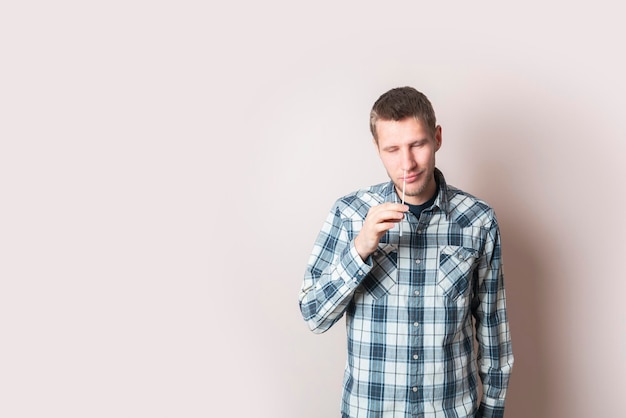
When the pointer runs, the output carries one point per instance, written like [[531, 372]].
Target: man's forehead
[[404, 129]]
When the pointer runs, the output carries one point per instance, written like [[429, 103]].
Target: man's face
[[407, 149]]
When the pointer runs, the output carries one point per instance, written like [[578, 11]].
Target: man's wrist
[[363, 253]]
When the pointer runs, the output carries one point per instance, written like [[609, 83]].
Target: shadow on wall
[[498, 179], [526, 280]]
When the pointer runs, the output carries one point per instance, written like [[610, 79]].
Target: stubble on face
[[417, 190], [423, 186]]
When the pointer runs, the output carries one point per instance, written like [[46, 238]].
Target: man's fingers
[[398, 207], [385, 226], [389, 215]]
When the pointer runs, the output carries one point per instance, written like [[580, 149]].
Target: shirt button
[[360, 273], [414, 388], [415, 356], [416, 324], [417, 293], [418, 261]]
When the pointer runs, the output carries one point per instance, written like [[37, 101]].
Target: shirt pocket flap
[[456, 265]]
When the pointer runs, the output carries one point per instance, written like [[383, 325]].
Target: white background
[[165, 167]]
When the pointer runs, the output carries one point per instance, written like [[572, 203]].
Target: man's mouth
[[410, 177]]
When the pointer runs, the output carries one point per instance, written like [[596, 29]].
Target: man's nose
[[408, 161]]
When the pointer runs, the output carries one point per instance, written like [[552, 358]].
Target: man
[[418, 282]]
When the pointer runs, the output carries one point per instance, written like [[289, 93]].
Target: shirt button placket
[[415, 332]]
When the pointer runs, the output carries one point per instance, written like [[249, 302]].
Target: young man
[[418, 282]]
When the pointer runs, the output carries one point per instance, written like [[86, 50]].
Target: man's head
[[406, 136], [401, 103]]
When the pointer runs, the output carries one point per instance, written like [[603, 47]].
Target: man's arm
[[495, 356], [332, 274], [338, 264]]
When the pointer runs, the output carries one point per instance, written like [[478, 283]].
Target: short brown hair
[[401, 103]]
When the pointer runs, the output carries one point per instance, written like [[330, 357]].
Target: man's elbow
[[317, 327], [316, 324]]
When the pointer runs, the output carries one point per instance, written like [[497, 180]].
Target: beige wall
[[164, 170]]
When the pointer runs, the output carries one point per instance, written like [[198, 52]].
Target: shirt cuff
[[354, 268]]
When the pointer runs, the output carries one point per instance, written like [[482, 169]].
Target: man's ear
[[438, 138]]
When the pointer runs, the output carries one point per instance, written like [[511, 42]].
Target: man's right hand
[[379, 220]]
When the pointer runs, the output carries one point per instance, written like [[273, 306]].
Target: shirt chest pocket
[[382, 278], [456, 266]]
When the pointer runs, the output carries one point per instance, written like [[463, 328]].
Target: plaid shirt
[[414, 307]]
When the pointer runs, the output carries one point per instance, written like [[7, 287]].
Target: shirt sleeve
[[495, 356], [334, 271]]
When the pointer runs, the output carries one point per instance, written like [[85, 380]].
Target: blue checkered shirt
[[415, 307]]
